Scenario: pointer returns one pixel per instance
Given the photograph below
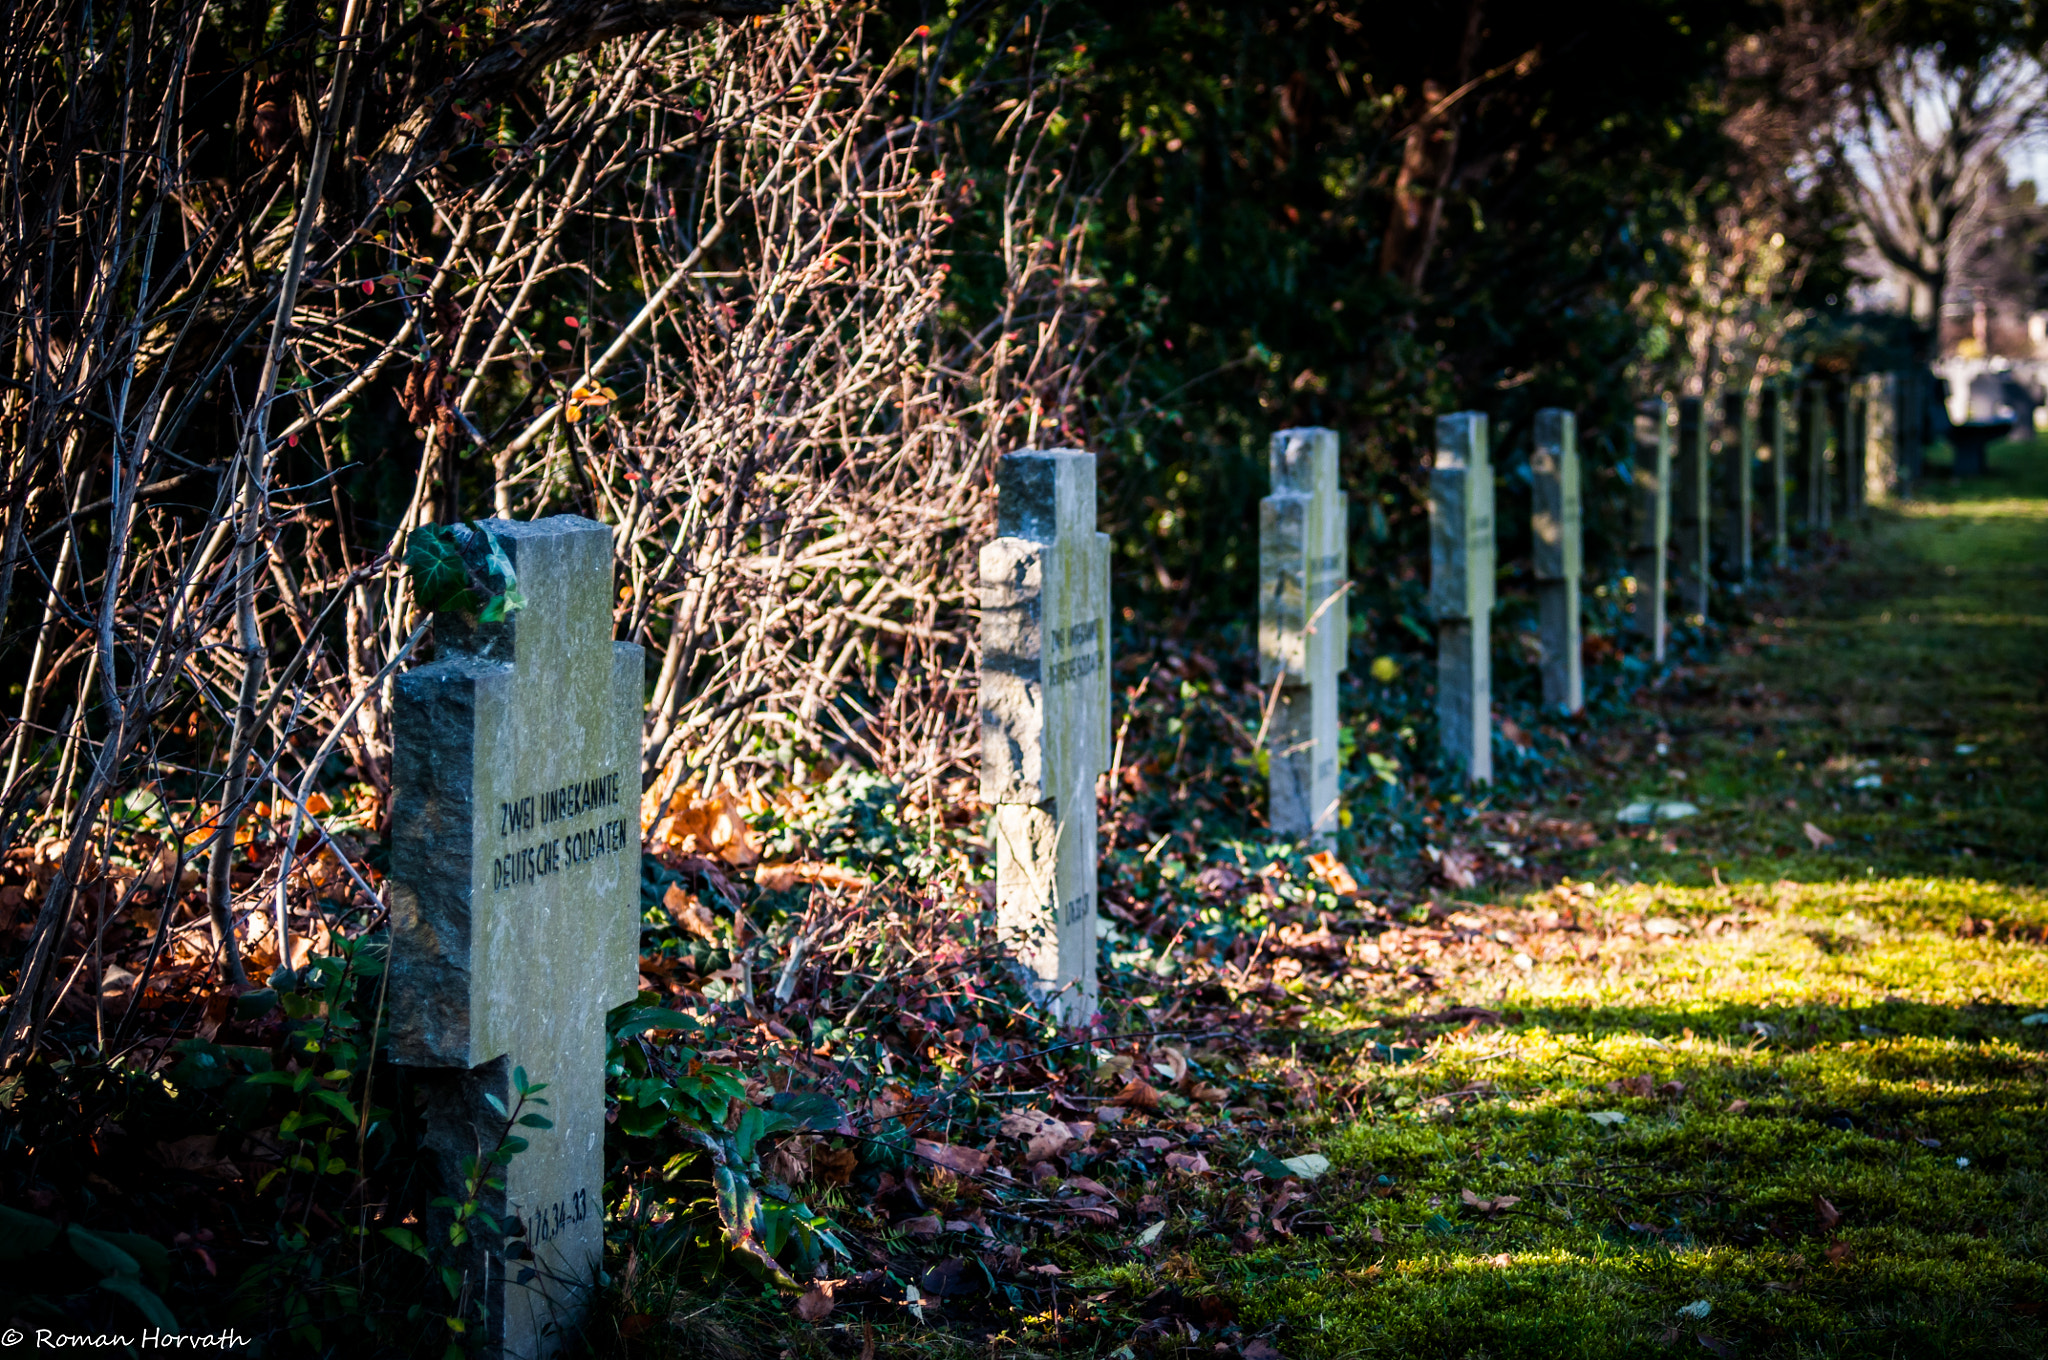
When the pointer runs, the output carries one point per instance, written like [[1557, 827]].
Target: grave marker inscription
[[1304, 629], [1045, 715], [1461, 565], [1559, 538], [515, 903]]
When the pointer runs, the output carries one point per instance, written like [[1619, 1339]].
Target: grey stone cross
[[1777, 418], [1813, 424], [1461, 592], [1304, 630], [1648, 562], [1555, 524], [1691, 509], [1045, 715], [1738, 432], [515, 872]]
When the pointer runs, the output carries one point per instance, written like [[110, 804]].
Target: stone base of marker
[[1049, 926], [1557, 621], [1649, 558], [1461, 569], [1045, 716], [515, 908], [1556, 528], [1304, 630], [1464, 693], [1302, 797]]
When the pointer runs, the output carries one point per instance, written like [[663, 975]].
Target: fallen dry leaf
[[961, 1161], [1738, 1107], [1138, 1094], [1827, 1213], [1818, 838], [1171, 1063], [1332, 872], [834, 1166], [816, 1304], [698, 824], [1839, 1252], [1191, 1163], [1089, 1186], [691, 916], [924, 1226], [783, 877], [1459, 868]]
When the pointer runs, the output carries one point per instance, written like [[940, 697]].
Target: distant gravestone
[[1738, 492], [1649, 561], [1461, 569], [1304, 629], [1555, 525], [515, 892], [1776, 418], [1813, 426], [1045, 716], [1856, 451], [1691, 509]]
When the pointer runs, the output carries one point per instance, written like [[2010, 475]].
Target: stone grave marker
[[515, 911], [1813, 425], [1841, 401], [1045, 715], [1775, 416], [1304, 630], [1691, 509], [1738, 494], [1461, 592], [1555, 523], [1649, 561], [1856, 450]]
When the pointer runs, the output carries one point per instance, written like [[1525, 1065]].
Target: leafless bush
[[688, 278]]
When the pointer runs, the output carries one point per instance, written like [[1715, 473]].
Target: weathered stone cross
[[1558, 534], [515, 870], [1649, 562], [1045, 715], [1692, 508], [1304, 630], [1461, 565]]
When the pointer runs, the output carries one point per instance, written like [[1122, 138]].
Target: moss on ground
[[1779, 1093]]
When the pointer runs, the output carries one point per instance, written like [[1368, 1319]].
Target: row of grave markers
[[516, 834]]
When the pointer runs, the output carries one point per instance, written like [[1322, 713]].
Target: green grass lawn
[[1758, 1091]]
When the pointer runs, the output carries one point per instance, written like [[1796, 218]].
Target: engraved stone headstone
[[1856, 451], [1775, 416], [1691, 510], [515, 891], [1045, 715], [1304, 629], [1556, 528], [1461, 592], [1738, 493], [1813, 426], [1840, 399], [1649, 560]]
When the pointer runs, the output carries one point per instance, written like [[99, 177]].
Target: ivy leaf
[[462, 569]]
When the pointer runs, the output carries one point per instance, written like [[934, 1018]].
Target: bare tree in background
[[284, 284], [1924, 144]]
